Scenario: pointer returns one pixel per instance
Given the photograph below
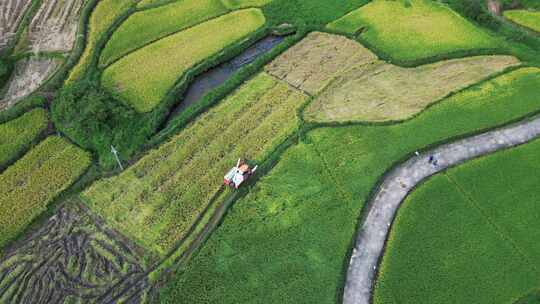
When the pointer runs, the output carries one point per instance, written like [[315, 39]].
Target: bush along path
[[382, 209]]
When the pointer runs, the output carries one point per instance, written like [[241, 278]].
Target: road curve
[[372, 233]]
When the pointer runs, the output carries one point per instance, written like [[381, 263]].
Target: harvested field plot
[[54, 26], [410, 32], [156, 200], [11, 14], [29, 75], [28, 186], [18, 134], [102, 18], [473, 228], [529, 19], [312, 63], [385, 92], [288, 240], [141, 28], [144, 77], [72, 258]]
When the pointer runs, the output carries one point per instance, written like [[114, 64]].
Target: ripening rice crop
[[18, 134], [236, 4], [468, 235], [529, 19], [143, 27], [156, 200], [422, 29], [144, 77], [102, 18], [29, 185]]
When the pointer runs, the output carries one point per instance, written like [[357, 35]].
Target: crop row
[[17, 134], [292, 233], [158, 199], [29, 185], [142, 27], [102, 18], [143, 78]]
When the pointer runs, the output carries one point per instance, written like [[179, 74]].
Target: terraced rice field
[[420, 30], [158, 199], [473, 228], [288, 240], [18, 134], [526, 18], [379, 91], [313, 62], [28, 186], [72, 258], [54, 26], [143, 78], [141, 28], [11, 14], [103, 17]]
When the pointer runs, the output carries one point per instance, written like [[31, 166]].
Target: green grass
[[103, 16], [150, 25], [158, 199], [423, 30], [312, 13], [287, 241], [29, 185], [236, 4], [468, 235], [529, 19], [144, 77], [18, 134]]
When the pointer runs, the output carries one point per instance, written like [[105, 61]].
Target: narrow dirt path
[[373, 232]]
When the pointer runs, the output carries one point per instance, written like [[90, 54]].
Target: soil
[[11, 14], [378, 91], [28, 76], [72, 258], [54, 27], [313, 62]]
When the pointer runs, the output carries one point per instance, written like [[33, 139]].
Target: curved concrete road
[[372, 234]]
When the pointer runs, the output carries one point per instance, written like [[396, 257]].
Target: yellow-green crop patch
[[236, 4], [150, 25], [29, 185], [420, 29], [384, 92], [526, 18], [144, 77], [101, 19], [158, 199], [17, 134]]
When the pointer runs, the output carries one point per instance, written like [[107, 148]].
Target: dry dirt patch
[[313, 62], [11, 14], [29, 75], [383, 92]]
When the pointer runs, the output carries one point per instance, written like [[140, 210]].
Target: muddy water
[[214, 77]]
